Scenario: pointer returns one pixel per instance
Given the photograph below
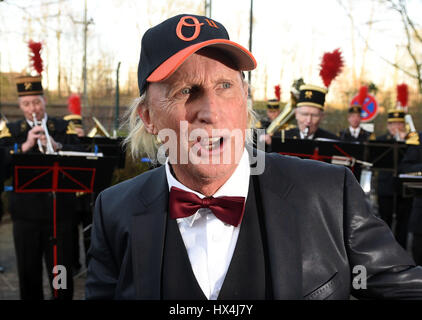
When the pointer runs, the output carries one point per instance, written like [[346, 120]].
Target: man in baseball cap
[[202, 227], [166, 46]]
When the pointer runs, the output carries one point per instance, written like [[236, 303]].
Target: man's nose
[[208, 107]]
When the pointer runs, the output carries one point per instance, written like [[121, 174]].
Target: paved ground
[[9, 283]]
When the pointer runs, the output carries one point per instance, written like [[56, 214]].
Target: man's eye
[[226, 85], [186, 91]]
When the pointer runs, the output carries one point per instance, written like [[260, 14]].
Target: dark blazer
[[320, 133], [318, 228], [346, 135]]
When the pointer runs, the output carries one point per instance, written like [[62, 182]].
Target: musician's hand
[[34, 134], [56, 146], [402, 135]]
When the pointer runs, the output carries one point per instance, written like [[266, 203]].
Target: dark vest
[[246, 277]]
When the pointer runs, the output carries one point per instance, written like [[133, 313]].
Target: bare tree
[[414, 39]]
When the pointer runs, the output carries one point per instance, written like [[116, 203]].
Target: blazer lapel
[[148, 235], [281, 220]]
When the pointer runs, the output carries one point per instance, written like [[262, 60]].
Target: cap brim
[[244, 60]]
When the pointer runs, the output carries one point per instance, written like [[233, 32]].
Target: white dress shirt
[[309, 137], [355, 132], [210, 242]]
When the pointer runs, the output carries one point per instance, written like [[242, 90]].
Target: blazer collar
[[281, 207], [148, 235]]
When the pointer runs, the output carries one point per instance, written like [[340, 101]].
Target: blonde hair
[[143, 143]]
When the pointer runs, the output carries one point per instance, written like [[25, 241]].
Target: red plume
[[402, 94], [35, 56], [277, 91], [331, 65], [74, 104], [363, 93]]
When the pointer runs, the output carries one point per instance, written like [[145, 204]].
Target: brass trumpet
[[49, 147]]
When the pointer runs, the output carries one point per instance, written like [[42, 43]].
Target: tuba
[[413, 136], [288, 111], [98, 130]]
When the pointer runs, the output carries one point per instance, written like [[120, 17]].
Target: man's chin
[[209, 172]]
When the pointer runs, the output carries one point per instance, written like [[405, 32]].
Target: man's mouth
[[210, 145]]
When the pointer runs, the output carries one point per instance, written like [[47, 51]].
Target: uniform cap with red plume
[[35, 55], [331, 65], [402, 95], [277, 92], [74, 104]]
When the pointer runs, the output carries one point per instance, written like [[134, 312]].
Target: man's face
[[396, 127], [272, 113], [307, 116], [354, 119], [32, 104], [206, 93]]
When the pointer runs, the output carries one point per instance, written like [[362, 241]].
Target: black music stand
[[411, 185], [35, 173], [384, 155], [332, 151], [110, 147]]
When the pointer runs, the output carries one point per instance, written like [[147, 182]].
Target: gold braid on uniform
[[4, 130]]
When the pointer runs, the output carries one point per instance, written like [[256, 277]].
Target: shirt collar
[[310, 136], [355, 131], [236, 186]]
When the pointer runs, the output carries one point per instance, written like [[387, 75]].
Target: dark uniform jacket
[[316, 228], [346, 135], [36, 206], [320, 133], [386, 184], [412, 162]]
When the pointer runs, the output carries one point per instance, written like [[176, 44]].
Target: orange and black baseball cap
[[167, 45]]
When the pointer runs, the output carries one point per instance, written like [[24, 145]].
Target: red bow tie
[[183, 204]]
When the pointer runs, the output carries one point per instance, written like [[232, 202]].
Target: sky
[[289, 37]]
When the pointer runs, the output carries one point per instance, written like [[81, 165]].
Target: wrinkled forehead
[[220, 61], [308, 109], [31, 98], [195, 71], [395, 123]]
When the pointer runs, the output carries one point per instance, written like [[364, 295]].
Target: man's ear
[[145, 114]]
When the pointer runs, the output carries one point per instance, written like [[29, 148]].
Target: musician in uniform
[[32, 213], [386, 183], [412, 163], [354, 132], [273, 110], [309, 112]]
